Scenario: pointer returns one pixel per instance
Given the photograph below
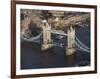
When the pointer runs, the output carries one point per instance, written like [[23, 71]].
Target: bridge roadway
[[58, 32]]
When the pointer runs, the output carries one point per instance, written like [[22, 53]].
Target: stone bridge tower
[[70, 40], [46, 35]]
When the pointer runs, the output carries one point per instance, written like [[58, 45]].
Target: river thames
[[33, 58]]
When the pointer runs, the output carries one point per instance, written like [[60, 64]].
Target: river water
[[33, 58]]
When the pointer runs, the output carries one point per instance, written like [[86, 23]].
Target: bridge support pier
[[70, 41]]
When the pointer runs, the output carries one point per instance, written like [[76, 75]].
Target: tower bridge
[[73, 42], [47, 37], [69, 22]]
